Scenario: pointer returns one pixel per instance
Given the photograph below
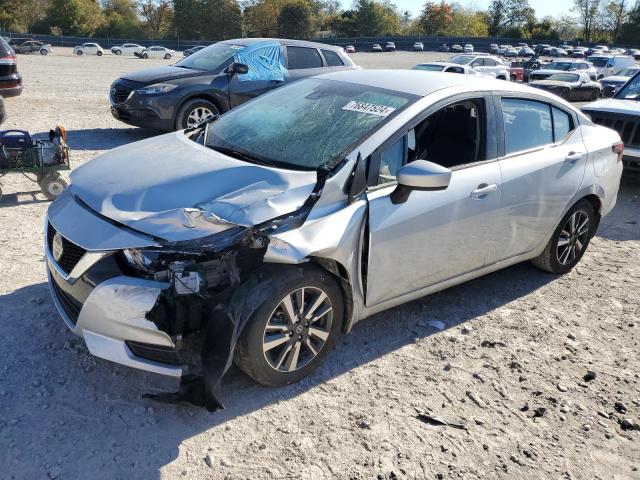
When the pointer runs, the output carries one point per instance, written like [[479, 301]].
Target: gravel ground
[[510, 362]]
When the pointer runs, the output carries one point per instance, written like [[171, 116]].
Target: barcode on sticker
[[370, 108]]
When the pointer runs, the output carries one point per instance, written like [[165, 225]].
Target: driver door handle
[[573, 157], [483, 190]]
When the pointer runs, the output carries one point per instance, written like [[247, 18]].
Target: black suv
[[10, 79], [211, 81]]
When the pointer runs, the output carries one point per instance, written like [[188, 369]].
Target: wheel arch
[[341, 275], [195, 96]]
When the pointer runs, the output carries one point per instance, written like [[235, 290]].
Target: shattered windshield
[[211, 58], [311, 124], [631, 90]]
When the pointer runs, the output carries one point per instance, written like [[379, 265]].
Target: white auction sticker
[[370, 108]]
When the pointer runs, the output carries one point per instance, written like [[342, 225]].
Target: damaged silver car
[[269, 232]]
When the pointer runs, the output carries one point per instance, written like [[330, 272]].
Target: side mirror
[[237, 69], [420, 175]]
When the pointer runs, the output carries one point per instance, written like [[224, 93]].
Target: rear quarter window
[[332, 58]]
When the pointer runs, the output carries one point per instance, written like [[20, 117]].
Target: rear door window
[[527, 124], [300, 58], [332, 58]]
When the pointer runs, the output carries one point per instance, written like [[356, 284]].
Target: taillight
[[8, 57], [618, 149]]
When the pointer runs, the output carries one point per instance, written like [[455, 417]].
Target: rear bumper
[[11, 86]]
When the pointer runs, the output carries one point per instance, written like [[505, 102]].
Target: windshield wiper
[[232, 152]]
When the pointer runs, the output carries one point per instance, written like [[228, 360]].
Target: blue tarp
[[265, 62]]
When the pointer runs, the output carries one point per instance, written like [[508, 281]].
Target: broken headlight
[[141, 259]]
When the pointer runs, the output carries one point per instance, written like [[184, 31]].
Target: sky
[[543, 8]]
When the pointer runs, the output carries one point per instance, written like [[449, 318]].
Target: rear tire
[[277, 350], [569, 241]]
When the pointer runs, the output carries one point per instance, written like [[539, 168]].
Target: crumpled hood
[[613, 105], [163, 73], [177, 190]]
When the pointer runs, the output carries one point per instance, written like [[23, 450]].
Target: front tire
[[117, 52], [195, 111], [99, 54], [43, 52], [79, 52], [569, 241], [289, 335], [167, 56], [145, 56]]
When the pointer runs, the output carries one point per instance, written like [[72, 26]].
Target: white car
[[156, 52], [468, 48], [127, 49], [447, 68], [608, 65], [88, 49], [483, 63]]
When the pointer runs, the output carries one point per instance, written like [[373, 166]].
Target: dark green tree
[[295, 20], [74, 17]]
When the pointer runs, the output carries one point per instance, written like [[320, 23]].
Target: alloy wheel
[[573, 238], [198, 115], [297, 329]]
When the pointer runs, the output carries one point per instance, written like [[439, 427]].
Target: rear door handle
[[573, 157], [483, 190]]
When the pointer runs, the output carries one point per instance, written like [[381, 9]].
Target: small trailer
[[39, 160]]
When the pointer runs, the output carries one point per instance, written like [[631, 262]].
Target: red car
[[516, 72]]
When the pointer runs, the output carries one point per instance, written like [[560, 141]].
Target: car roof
[[414, 82], [283, 41], [423, 83]]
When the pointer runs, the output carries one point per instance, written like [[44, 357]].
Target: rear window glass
[[430, 68], [332, 58], [302, 57]]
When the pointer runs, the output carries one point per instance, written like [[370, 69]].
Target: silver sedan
[[272, 230]]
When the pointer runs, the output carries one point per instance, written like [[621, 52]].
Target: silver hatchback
[[271, 231]]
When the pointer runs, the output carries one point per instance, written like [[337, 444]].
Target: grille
[[156, 353], [119, 93], [71, 253], [70, 306], [628, 127]]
